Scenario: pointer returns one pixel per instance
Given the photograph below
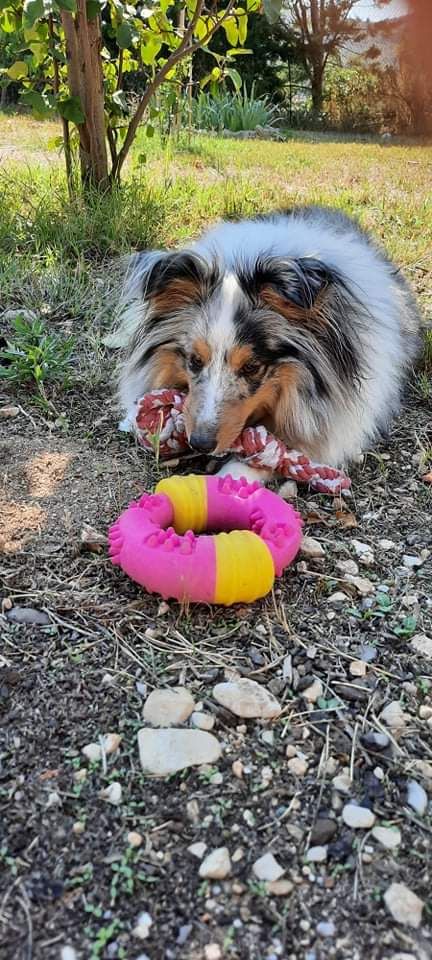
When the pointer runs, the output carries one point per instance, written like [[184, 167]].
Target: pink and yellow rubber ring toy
[[159, 541]]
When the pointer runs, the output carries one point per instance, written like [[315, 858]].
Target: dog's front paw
[[237, 469]]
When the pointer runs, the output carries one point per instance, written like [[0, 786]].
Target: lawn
[[352, 673]]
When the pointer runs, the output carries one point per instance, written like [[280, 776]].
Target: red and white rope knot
[[160, 427]]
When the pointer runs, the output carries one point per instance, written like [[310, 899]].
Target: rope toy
[[154, 541], [160, 427]]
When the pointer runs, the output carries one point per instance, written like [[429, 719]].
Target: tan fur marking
[[202, 350], [238, 356], [178, 293], [168, 371], [310, 315], [260, 408]]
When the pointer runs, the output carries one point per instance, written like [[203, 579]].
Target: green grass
[[53, 253]]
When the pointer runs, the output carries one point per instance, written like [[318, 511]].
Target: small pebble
[[363, 586], [422, 645], [217, 865], [297, 766], [337, 599], [142, 929], [267, 868], [425, 712], [166, 707], [93, 752], [388, 837], [237, 769], [358, 818], [113, 793], [393, 716], [417, 797], [9, 412], [288, 490], [198, 849], [342, 783], [348, 566], [311, 549], [411, 561], [111, 742], [280, 888], [358, 668], [404, 905], [316, 854], [68, 953], [203, 721], [325, 928], [387, 544], [323, 831], [248, 699], [212, 951], [313, 692], [376, 740], [134, 839], [78, 828]]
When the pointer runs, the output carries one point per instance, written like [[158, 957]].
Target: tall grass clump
[[232, 111]]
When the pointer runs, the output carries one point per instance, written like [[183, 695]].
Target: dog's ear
[[291, 281], [171, 280]]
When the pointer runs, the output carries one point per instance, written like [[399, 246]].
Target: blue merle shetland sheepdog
[[294, 320]]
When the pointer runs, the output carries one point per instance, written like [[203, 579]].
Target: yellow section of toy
[[188, 496], [244, 567]]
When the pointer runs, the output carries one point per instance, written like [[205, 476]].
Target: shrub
[[352, 100], [232, 111]]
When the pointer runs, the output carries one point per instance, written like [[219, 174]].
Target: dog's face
[[258, 344]]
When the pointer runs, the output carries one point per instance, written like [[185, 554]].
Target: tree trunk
[[83, 45], [317, 89]]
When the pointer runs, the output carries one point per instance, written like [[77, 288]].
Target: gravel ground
[[101, 859]]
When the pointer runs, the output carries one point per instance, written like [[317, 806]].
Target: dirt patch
[[70, 875]]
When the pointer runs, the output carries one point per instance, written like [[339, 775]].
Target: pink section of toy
[[239, 505], [160, 559]]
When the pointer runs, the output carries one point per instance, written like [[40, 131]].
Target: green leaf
[[124, 35], [119, 99], [93, 9], [33, 10], [216, 73], [150, 131], [231, 31], [150, 50], [141, 158], [70, 109], [201, 29], [42, 105], [239, 52], [235, 77], [272, 10], [8, 22], [242, 25], [69, 5], [18, 70]]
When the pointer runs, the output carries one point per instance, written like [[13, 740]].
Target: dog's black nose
[[202, 442]]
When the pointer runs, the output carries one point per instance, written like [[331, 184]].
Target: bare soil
[[68, 874]]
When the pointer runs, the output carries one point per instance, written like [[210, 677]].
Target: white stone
[[267, 868], [417, 797], [288, 490], [246, 698], [404, 905], [163, 752], [311, 549], [111, 742], [314, 692], [342, 783], [387, 544], [393, 716], [337, 598], [348, 566], [212, 951], [134, 838], [363, 552], [363, 586], [422, 644], [316, 854], [78, 828], [388, 837], [217, 865], [9, 412], [112, 793], [202, 721], [93, 752], [411, 562], [297, 766], [359, 818], [280, 888], [326, 928], [237, 769], [198, 849], [68, 953], [142, 929], [164, 708], [425, 712], [358, 668]]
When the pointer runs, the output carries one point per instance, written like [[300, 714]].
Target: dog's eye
[[195, 363], [250, 369]]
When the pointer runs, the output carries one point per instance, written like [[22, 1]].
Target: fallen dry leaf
[[48, 774], [92, 540], [346, 519], [314, 516], [427, 477]]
